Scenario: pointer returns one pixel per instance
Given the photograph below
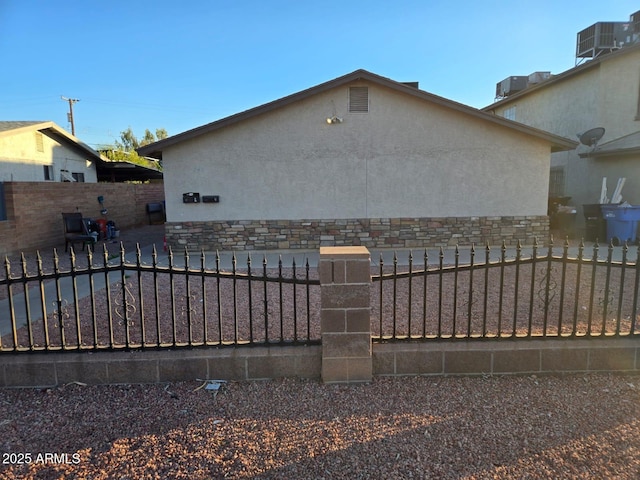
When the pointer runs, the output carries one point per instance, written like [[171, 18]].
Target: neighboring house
[[43, 151], [604, 92], [358, 160]]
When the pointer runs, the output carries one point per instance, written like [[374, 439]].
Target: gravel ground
[[412, 427]]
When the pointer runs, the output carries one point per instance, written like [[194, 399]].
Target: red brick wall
[[34, 219]]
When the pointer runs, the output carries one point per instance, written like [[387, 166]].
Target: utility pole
[[70, 114]]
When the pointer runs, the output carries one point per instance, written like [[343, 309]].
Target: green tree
[[124, 149], [148, 138], [128, 141], [161, 134]]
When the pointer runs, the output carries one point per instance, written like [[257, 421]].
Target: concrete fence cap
[[342, 252]]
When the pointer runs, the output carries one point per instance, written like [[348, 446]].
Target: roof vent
[[412, 84]]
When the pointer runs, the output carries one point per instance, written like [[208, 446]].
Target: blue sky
[[181, 64]]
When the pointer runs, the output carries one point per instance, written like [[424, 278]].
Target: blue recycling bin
[[622, 223]]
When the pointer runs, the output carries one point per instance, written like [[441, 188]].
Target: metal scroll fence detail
[[111, 303], [540, 294]]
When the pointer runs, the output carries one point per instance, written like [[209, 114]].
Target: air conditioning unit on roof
[[511, 85], [603, 37], [635, 22], [538, 77]]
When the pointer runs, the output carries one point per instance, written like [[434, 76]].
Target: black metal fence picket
[[118, 304], [110, 303], [537, 295]]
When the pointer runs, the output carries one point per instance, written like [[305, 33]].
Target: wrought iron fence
[[105, 302], [536, 295], [113, 303]]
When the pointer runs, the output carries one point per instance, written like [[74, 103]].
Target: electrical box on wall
[[191, 197], [210, 199]]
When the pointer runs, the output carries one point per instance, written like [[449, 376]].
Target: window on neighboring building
[[39, 142], [510, 113], [358, 99], [556, 182], [79, 177], [48, 172]]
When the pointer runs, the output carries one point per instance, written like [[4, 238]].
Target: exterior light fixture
[[333, 119]]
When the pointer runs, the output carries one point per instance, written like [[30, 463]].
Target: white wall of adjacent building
[[24, 156]]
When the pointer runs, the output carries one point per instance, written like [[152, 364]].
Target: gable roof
[[155, 149], [555, 79], [8, 128]]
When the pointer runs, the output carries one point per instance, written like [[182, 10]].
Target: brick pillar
[[345, 284]]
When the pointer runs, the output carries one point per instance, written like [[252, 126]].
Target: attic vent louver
[[359, 99], [39, 142]]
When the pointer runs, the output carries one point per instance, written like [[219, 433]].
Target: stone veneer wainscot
[[369, 232]]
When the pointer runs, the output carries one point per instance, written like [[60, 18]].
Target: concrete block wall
[[157, 366], [508, 357], [432, 358], [34, 219]]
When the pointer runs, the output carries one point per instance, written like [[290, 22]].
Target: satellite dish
[[590, 138]]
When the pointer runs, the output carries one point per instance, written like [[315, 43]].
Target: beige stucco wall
[[566, 109], [21, 161], [613, 168], [600, 96], [405, 158], [618, 95]]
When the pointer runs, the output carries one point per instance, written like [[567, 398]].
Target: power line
[[149, 106]]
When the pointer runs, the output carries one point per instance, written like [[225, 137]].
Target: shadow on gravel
[[413, 427]]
